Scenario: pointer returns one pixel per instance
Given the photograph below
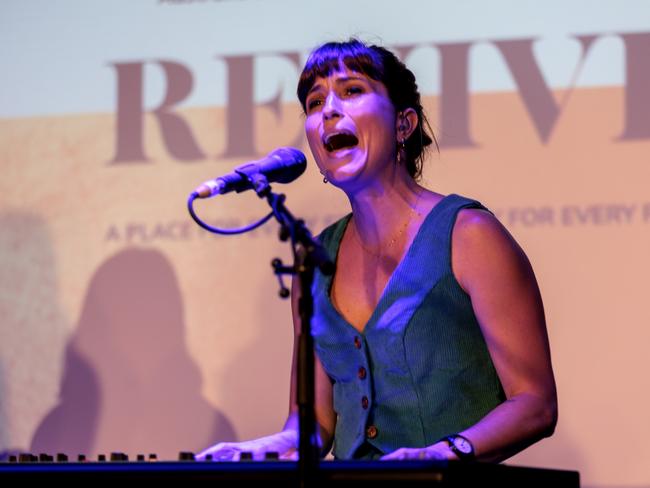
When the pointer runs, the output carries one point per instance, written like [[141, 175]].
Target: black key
[[119, 456], [26, 457], [186, 456]]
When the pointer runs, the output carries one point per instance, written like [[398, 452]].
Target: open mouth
[[340, 140]]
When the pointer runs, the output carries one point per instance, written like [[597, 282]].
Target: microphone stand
[[308, 255]]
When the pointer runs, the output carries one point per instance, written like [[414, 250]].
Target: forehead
[[343, 75]]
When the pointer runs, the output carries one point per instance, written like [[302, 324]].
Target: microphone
[[282, 165]]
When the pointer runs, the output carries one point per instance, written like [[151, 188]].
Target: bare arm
[[286, 441], [324, 409], [495, 273]]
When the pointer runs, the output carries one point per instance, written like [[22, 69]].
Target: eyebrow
[[338, 81]]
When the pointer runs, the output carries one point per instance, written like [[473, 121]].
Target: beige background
[[125, 327], [72, 212]]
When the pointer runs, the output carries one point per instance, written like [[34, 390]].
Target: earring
[[401, 149], [325, 180]]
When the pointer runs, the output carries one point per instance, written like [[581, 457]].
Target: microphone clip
[[280, 269], [259, 181]]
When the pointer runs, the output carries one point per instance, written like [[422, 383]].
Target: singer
[[430, 337]]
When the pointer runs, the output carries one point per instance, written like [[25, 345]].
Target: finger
[[290, 455], [398, 454], [224, 453], [209, 450]]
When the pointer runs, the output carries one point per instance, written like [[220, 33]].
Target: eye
[[314, 103], [353, 90]]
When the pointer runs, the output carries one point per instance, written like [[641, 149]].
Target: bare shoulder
[[482, 249], [479, 231], [476, 220]]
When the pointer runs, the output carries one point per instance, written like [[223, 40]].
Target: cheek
[[379, 135], [314, 140], [313, 134], [377, 118]]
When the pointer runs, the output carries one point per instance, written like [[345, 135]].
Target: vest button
[[364, 402], [362, 373], [371, 432], [357, 342]]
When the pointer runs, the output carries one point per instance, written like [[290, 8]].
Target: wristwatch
[[461, 446]]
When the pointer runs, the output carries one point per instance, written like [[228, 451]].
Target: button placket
[[364, 402], [362, 373]]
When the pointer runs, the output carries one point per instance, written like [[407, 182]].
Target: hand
[[284, 443], [439, 451]]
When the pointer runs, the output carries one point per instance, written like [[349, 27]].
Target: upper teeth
[[329, 137]]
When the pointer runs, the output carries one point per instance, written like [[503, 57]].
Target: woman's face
[[350, 126]]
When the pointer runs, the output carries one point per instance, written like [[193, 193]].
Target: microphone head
[[284, 165]]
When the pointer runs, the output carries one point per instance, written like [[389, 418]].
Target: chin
[[341, 172], [348, 181], [344, 176]]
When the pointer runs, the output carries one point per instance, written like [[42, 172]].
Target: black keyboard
[[284, 473]]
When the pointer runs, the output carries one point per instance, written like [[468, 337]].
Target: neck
[[384, 210]]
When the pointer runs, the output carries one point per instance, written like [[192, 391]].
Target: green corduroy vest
[[428, 369]]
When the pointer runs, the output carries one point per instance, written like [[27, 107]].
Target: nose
[[331, 107]]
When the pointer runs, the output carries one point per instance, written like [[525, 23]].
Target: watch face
[[463, 445]]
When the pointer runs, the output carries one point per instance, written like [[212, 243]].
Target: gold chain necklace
[[395, 237]]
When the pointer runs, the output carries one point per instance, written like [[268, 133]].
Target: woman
[[430, 337]]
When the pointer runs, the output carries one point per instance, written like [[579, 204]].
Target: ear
[[406, 122]]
